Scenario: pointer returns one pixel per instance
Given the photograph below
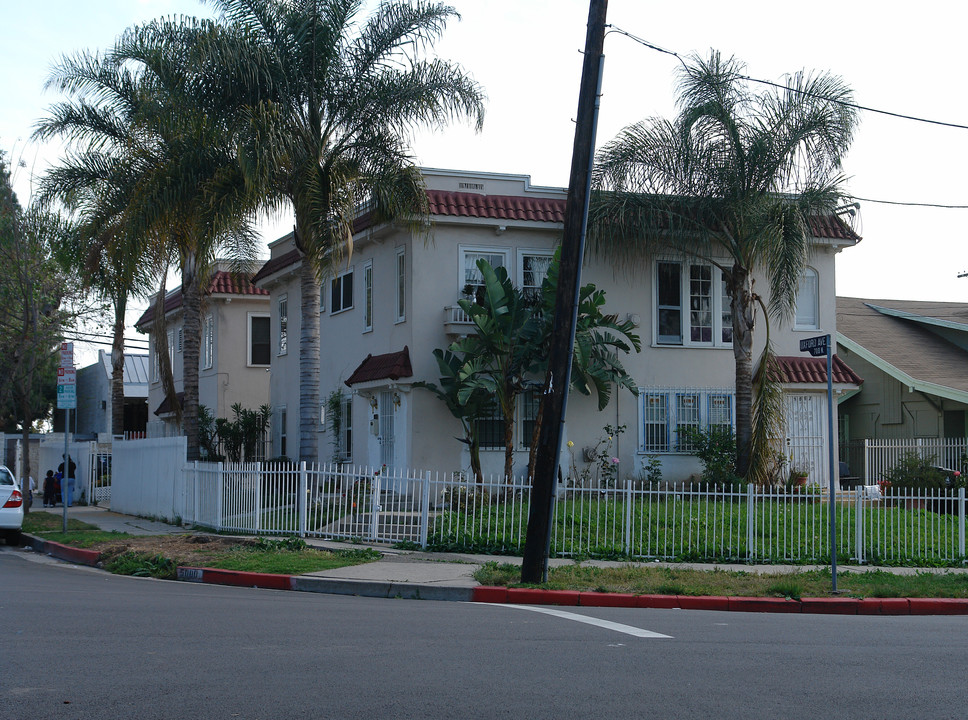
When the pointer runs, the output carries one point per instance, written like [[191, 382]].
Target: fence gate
[[805, 441], [99, 474], [387, 412]]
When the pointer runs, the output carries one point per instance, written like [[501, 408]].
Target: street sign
[[816, 346], [67, 354], [66, 376], [66, 397]]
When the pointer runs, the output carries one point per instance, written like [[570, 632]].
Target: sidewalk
[[415, 574]]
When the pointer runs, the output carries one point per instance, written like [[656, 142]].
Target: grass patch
[[49, 526], [262, 557], [676, 581], [143, 565]]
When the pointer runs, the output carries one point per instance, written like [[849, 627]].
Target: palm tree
[[330, 102], [734, 180], [150, 110]]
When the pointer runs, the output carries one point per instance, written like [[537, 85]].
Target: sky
[[526, 54]]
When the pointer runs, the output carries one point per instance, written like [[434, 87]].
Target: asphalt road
[[79, 643]]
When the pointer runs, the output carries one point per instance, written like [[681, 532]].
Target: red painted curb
[[657, 601], [531, 596], [764, 604], [241, 578], [830, 606], [490, 594], [709, 602], [938, 606], [600, 599], [883, 606], [72, 554]]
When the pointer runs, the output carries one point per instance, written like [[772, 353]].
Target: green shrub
[[716, 450], [142, 564], [913, 471]]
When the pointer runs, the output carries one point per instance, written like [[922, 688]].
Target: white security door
[[805, 442], [387, 411]]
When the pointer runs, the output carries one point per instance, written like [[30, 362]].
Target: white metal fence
[[873, 459], [451, 512]]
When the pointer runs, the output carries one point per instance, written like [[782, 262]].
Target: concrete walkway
[[450, 576]]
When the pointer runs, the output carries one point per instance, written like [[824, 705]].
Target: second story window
[[691, 305], [808, 301], [368, 296], [341, 292], [472, 282], [283, 325], [534, 268], [208, 342], [259, 339], [401, 310]]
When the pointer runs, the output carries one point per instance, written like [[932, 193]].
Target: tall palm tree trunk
[[191, 339], [117, 366], [743, 306], [308, 361]]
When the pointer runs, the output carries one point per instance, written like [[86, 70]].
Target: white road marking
[[608, 625]]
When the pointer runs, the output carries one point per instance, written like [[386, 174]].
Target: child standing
[[49, 489]]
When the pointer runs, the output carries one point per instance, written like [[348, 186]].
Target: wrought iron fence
[[449, 511]]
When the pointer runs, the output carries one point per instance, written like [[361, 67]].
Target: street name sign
[[816, 346]]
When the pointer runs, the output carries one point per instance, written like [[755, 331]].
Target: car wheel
[[12, 537]]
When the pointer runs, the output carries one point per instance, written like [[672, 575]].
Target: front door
[[805, 442], [387, 410]]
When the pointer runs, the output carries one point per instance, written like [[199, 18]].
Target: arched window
[[808, 301]]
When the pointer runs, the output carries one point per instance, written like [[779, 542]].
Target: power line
[[912, 204], [901, 116]]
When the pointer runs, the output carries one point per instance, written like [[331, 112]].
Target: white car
[[11, 507]]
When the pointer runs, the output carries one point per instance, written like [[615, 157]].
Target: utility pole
[[534, 567]]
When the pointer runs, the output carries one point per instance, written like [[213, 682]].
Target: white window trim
[[249, 317], [816, 303], [368, 303], [339, 278], [282, 338], [464, 250], [530, 252], [717, 309], [208, 342], [401, 285], [671, 406]]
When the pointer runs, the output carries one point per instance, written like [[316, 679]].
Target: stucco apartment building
[[389, 305], [234, 358]]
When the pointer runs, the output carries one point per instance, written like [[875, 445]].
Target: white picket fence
[[451, 512]]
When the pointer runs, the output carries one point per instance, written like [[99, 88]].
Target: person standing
[[49, 493], [67, 480]]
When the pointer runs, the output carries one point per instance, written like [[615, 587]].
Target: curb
[[812, 606], [91, 558], [308, 583]]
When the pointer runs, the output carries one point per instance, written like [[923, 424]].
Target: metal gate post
[[194, 518], [961, 522], [627, 533], [750, 520], [258, 497], [859, 524], [375, 506], [219, 480], [302, 502], [424, 508]]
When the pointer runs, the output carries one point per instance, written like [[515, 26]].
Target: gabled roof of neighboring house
[[921, 344], [389, 366], [276, 264], [135, 373], [794, 370], [166, 406], [222, 283]]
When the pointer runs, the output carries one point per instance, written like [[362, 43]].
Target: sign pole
[[830, 445], [65, 485], [66, 400], [817, 346]]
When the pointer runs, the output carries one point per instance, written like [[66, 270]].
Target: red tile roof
[[497, 207], [222, 283], [389, 366], [795, 369], [276, 264]]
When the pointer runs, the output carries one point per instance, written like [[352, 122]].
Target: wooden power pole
[[534, 568]]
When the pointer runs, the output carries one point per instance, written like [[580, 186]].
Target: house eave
[[912, 383]]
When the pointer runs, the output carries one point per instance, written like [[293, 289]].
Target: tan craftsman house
[[234, 357], [395, 300], [914, 358]]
